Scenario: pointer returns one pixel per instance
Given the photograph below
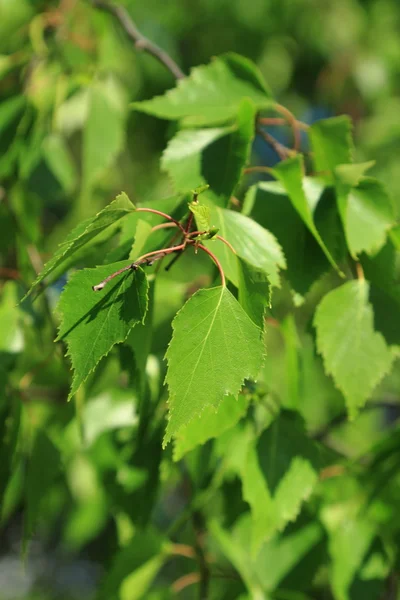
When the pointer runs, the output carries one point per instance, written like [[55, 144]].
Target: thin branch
[[282, 151], [139, 40], [164, 215], [163, 226], [217, 237], [215, 259], [6, 273], [183, 550], [184, 582], [258, 169], [204, 570], [279, 121], [148, 259], [291, 119]]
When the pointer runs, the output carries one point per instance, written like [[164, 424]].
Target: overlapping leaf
[[354, 354], [209, 424], [93, 322], [214, 156], [85, 232], [291, 174], [250, 241], [212, 93], [279, 474], [214, 348], [332, 143], [367, 214], [254, 291]]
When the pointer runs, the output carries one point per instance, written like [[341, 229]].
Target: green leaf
[[86, 231], [217, 156], [332, 143], [138, 582], [103, 135], [351, 544], [254, 291], [210, 423], [93, 322], [354, 354], [251, 242], [39, 479], [12, 336], [134, 560], [279, 474], [291, 174], [201, 214], [215, 346], [59, 160], [281, 554], [212, 93], [367, 214]]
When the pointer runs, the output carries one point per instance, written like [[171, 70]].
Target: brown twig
[[291, 119], [6, 273], [139, 40], [258, 169], [164, 215], [185, 581], [149, 258], [215, 259], [282, 151]]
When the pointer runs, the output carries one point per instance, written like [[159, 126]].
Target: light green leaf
[[251, 242], [135, 586], [354, 354], [138, 559], [350, 543], [282, 554], [279, 474], [103, 135], [212, 93], [217, 156], [291, 174], [93, 322], [215, 346], [332, 143], [109, 410], [210, 423], [12, 335], [351, 175], [86, 231], [254, 291], [367, 214], [201, 214], [59, 160]]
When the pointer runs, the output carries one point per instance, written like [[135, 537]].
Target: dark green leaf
[[93, 322]]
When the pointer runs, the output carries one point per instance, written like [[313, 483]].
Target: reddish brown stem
[[157, 254], [215, 259], [293, 124], [258, 169], [184, 582], [282, 151], [162, 214], [217, 237]]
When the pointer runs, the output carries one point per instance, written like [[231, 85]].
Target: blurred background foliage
[[69, 142]]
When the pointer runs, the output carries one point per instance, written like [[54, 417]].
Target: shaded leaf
[[216, 156], [212, 93], [215, 346], [59, 160], [354, 354], [38, 479], [93, 322], [291, 174], [279, 474], [254, 291]]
